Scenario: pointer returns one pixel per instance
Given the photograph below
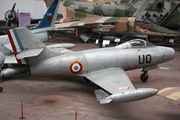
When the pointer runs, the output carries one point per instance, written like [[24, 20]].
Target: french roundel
[[76, 67]]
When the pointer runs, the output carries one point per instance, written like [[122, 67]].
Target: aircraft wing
[[113, 80], [69, 19], [70, 24]]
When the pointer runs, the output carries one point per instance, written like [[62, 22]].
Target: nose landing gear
[[144, 76]]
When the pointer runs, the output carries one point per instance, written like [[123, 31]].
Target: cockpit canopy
[[135, 43]]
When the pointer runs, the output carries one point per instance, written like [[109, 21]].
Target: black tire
[[144, 77], [1, 89]]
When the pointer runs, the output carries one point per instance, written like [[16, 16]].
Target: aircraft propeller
[[10, 15]]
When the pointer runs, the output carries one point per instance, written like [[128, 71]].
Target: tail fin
[[27, 48], [50, 16], [48, 3]]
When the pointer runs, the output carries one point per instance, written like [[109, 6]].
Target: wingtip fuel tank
[[126, 96]]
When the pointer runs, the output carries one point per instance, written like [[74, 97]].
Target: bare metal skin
[[105, 67]]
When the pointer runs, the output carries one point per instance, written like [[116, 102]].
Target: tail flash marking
[[50, 16], [17, 41], [16, 45], [9, 32]]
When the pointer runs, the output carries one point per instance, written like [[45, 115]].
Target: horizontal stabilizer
[[29, 53], [102, 97]]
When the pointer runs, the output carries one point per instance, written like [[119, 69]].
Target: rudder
[[27, 48], [50, 16]]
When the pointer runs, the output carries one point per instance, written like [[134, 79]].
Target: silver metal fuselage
[[99, 59]]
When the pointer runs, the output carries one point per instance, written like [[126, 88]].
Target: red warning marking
[[123, 88]]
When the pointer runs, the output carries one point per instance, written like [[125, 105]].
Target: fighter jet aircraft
[[40, 31], [162, 12], [111, 25], [105, 67], [115, 9]]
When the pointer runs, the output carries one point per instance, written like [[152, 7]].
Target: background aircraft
[[105, 67], [41, 32], [10, 17], [165, 13], [111, 25], [107, 8], [162, 12]]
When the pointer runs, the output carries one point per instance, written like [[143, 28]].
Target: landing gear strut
[[144, 76], [1, 89]]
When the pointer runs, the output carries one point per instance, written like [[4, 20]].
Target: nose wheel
[[144, 76]]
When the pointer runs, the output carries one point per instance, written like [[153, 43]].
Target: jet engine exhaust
[[8, 72]]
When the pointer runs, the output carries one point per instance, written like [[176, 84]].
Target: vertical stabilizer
[[50, 16], [28, 48]]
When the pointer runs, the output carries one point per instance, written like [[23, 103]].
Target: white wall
[[36, 8]]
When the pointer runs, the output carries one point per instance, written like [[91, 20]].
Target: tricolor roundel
[[76, 67]]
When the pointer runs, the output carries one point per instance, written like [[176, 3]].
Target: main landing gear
[[1, 80], [1, 89], [144, 76]]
